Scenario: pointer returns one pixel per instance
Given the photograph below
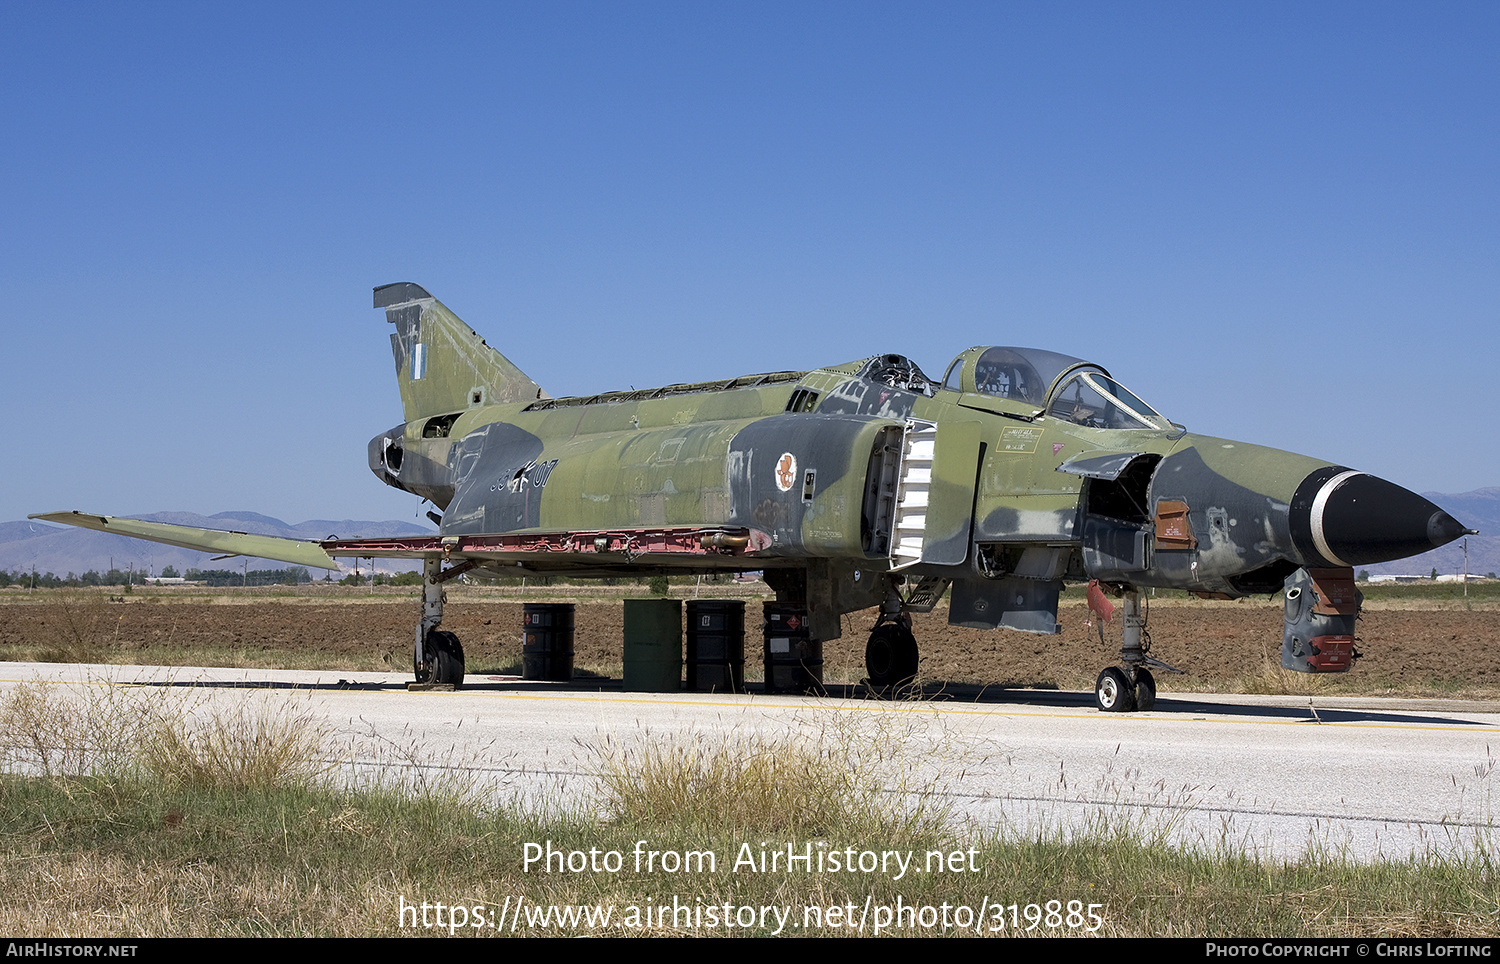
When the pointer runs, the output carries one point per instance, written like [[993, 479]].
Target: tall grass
[[238, 749], [838, 777], [102, 729], [1270, 678]]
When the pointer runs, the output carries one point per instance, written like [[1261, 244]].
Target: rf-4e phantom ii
[[861, 485]]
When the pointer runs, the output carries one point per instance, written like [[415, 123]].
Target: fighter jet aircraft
[[861, 485]]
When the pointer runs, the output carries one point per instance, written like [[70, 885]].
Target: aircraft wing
[[710, 547], [207, 540]]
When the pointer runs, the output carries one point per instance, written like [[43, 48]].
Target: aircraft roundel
[[786, 471]]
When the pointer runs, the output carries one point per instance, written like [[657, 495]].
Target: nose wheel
[[1113, 692], [1145, 689]]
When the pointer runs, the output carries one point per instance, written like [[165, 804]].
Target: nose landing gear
[[1129, 686], [1115, 693]]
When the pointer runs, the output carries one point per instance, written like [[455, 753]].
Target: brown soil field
[[1224, 647]]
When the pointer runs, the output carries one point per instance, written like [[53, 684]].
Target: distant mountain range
[[63, 549]]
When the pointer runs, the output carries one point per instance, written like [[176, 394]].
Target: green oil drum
[[653, 645]]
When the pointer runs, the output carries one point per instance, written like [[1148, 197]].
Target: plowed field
[[1230, 646]]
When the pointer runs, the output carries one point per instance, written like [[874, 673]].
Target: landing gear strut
[[1129, 686], [438, 656], [891, 654]]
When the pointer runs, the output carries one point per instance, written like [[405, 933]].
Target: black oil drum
[[716, 645], [547, 641]]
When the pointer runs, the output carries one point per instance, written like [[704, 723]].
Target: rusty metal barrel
[[716, 645], [547, 641]]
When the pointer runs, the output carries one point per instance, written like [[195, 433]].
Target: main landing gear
[[438, 657], [891, 654], [442, 660], [1129, 686]]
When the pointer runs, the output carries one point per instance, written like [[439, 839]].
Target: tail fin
[[442, 366]]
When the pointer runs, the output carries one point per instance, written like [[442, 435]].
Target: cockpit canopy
[[1054, 384]]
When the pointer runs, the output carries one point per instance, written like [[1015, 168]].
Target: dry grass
[[136, 818], [85, 635], [117, 731], [1271, 679], [832, 776], [46, 729], [191, 846], [238, 749]]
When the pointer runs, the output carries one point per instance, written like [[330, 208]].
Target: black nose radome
[[1340, 517]]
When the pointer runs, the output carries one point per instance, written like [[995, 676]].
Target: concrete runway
[[1267, 775]]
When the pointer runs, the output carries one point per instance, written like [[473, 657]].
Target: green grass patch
[[1487, 590], [99, 857]]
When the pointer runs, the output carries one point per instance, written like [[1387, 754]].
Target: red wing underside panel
[[696, 547], [709, 548]]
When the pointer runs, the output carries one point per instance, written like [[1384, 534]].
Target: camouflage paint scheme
[[1034, 467], [1012, 496]]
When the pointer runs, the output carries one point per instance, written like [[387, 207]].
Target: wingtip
[[62, 514]]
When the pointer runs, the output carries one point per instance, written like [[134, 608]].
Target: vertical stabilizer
[[442, 366]]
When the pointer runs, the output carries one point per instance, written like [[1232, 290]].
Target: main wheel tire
[[444, 659], [891, 655], [1145, 690], [448, 657], [1113, 692]]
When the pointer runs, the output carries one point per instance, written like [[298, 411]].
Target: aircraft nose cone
[[1340, 517]]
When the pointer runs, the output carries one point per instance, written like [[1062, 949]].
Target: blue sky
[[1276, 222]]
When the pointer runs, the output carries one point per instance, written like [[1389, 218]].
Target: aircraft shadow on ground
[[268, 684], [933, 693]]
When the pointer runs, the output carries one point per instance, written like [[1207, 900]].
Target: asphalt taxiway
[[1270, 775]]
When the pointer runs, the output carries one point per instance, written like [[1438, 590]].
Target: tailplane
[[442, 366]]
